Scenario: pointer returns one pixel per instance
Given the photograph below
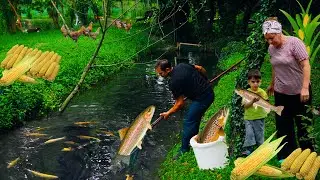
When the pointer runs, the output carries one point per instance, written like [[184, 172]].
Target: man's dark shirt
[[187, 81]]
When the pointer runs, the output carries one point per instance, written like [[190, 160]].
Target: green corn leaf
[[299, 21], [314, 41], [308, 8], [291, 20], [309, 32], [314, 53], [315, 19], [302, 9]]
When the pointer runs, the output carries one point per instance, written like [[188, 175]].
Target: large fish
[[214, 127], [42, 175], [248, 96], [132, 137]]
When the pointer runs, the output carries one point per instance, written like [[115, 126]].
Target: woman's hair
[[163, 64], [272, 19]]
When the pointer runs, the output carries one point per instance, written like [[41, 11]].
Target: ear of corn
[[21, 55], [299, 176], [42, 63], [314, 170], [286, 164], [267, 170], [6, 60], [257, 159], [11, 51], [50, 69], [54, 73], [308, 163], [14, 73], [58, 59], [45, 67], [298, 162], [12, 60], [27, 79], [37, 61]]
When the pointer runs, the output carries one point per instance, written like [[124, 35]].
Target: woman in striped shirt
[[290, 85]]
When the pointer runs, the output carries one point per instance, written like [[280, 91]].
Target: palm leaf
[[314, 53], [299, 21], [309, 32], [314, 41], [291, 20], [302, 9], [309, 5]]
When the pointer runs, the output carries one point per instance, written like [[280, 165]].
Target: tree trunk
[[9, 16]]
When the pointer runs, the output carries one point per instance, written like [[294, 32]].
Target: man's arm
[[176, 107], [201, 70]]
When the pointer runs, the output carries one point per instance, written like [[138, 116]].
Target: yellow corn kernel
[[301, 34], [42, 63], [6, 60], [45, 67], [18, 50], [54, 73], [14, 73], [21, 55], [305, 20], [11, 51], [50, 69], [296, 165], [27, 79], [286, 164], [251, 164], [40, 58], [12, 60], [308, 163], [58, 59], [313, 170]]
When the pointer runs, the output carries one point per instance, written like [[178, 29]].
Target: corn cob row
[[267, 170], [308, 164], [45, 65], [313, 170], [298, 162], [286, 164]]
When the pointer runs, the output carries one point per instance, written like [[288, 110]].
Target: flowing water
[[112, 105]]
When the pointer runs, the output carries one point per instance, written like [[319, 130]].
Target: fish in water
[[67, 149], [13, 163], [42, 175], [70, 143], [129, 177], [89, 137], [249, 96], [35, 134], [132, 136], [54, 140], [214, 127], [85, 123], [107, 133], [41, 128]]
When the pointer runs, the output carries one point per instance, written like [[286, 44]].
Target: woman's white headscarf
[[271, 27]]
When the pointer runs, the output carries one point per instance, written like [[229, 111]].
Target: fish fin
[[279, 109], [139, 145], [149, 126], [122, 132], [221, 132]]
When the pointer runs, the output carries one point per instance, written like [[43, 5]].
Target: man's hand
[[165, 115], [256, 99], [304, 95]]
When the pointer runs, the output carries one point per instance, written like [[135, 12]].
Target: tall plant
[[305, 28]]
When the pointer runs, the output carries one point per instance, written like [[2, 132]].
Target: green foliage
[[304, 27], [44, 24], [19, 100], [232, 48]]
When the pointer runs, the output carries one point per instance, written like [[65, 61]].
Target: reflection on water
[[112, 106]]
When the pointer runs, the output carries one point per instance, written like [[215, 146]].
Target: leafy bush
[[44, 24]]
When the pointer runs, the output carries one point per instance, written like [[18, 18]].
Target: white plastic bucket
[[210, 155]]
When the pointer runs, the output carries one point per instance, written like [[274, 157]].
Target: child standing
[[254, 116]]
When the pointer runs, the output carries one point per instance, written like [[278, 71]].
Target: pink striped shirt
[[286, 65]]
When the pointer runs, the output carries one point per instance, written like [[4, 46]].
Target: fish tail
[[279, 109]]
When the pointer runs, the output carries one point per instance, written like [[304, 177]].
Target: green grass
[[19, 101]]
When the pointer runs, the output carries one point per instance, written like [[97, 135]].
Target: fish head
[[147, 114]]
